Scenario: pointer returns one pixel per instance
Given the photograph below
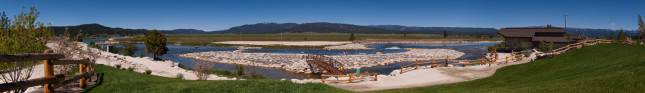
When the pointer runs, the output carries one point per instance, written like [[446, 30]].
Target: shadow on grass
[[99, 81]]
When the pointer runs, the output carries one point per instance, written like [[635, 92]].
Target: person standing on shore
[[358, 69]]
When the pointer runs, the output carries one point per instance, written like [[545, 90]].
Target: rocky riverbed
[[297, 63], [347, 47]]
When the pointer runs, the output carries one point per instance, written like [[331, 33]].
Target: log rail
[[498, 60], [352, 77], [438, 63], [49, 81]]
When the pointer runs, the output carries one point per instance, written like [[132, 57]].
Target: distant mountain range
[[319, 27], [259, 28], [93, 29]]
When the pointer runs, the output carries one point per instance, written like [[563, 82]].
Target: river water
[[472, 50]]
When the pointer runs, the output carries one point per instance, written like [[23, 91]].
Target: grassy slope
[[600, 68], [122, 81]]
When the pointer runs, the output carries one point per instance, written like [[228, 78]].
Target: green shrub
[[256, 76], [179, 76], [222, 72], [129, 49], [499, 47], [143, 54], [130, 69], [184, 67], [239, 70], [94, 45], [148, 72]]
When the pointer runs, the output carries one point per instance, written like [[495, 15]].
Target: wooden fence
[[584, 43], [352, 77], [49, 81], [465, 63]]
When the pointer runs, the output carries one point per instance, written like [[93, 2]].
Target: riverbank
[[352, 46], [141, 64], [297, 63]]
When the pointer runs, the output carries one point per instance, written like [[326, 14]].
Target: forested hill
[[439, 30], [97, 29], [259, 28], [184, 31], [322, 27]]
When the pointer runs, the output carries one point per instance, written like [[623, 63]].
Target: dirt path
[[427, 76]]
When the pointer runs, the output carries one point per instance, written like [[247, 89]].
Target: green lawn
[[123, 81], [600, 68]]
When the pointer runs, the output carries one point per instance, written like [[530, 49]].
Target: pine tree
[[622, 35], [155, 43], [4, 22], [445, 34], [405, 34], [352, 38]]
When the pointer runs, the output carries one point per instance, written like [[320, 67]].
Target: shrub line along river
[[472, 50]]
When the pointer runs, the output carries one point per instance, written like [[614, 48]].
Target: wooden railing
[[496, 60], [568, 47], [328, 64], [351, 77], [465, 63], [49, 81]]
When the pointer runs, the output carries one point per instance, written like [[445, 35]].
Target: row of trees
[[621, 35]]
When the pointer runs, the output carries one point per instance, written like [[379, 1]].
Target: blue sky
[[223, 14]]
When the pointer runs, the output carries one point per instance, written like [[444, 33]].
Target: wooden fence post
[[81, 70], [49, 72], [434, 63], [513, 58], [481, 61], [350, 78], [89, 68], [417, 66], [506, 61], [447, 63], [401, 70], [466, 64], [489, 62], [323, 79], [375, 77]]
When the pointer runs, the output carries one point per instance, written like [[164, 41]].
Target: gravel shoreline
[[297, 63], [347, 47]]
